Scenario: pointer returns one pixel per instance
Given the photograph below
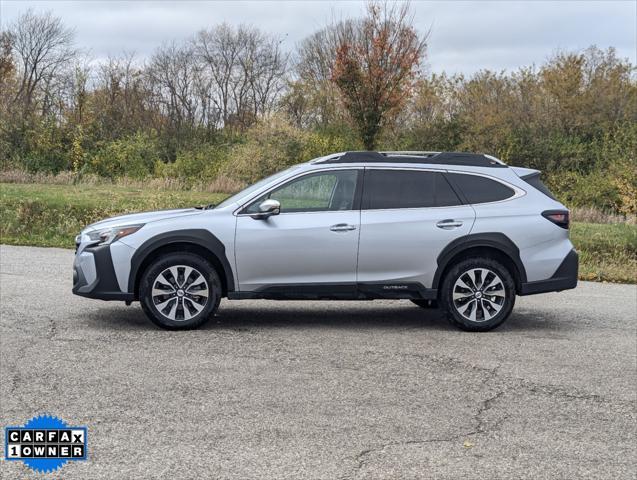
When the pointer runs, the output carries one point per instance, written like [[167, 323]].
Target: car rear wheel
[[180, 291], [478, 294]]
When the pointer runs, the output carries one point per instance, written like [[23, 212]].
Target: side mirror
[[267, 208]]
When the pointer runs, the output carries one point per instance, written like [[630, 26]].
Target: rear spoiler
[[525, 172]]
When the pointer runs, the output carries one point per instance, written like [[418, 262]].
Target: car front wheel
[[478, 294], [180, 291]]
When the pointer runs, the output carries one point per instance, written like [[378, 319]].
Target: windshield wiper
[[205, 207]]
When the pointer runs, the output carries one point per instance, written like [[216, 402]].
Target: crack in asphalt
[[360, 458], [16, 378], [516, 382], [53, 329], [485, 405]]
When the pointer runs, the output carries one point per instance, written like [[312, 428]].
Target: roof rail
[[441, 158], [408, 153]]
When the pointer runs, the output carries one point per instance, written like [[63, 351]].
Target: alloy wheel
[[180, 292], [479, 294]]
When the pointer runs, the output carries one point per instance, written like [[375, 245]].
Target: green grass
[[51, 216], [607, 252]]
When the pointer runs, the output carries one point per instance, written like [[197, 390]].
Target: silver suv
[[461, 231]]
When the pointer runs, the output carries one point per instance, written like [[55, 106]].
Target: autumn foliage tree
[[231, 101], [376, 63]]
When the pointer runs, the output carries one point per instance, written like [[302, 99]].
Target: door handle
[[449, 223], [342, 227]]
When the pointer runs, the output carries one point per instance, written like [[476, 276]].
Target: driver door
[[311, 244]]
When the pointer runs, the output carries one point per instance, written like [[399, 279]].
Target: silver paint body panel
[[294, 248], [402, 245], [396, 245]]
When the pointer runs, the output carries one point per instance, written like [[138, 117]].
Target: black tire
[[487, 317], [185, 303], [426, 303]]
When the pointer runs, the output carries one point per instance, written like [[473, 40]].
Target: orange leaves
[[374, 68]]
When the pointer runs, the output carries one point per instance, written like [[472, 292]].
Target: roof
[[440, 158]]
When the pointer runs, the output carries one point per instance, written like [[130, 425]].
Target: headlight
[[109, 235]]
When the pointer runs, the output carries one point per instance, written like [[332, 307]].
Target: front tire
[[180, 291], [478, 294]]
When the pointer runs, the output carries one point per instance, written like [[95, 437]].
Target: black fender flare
[[495, 240], [199, 237]]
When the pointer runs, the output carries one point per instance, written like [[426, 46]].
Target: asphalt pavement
[[321, 390]]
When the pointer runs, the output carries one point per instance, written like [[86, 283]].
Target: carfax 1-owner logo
[[45, 443]]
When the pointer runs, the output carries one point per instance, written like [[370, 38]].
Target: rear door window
[[387, 189], [479, 189]]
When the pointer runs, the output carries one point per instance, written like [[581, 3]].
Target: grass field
[[607, 252], [51, 216]]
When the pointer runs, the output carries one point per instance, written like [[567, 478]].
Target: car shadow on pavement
[[324, 314]]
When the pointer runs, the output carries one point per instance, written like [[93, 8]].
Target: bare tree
[[243, 69], [172, 73], [316, 54], [7, 67], [121, 97], [313, 88], [219, 50], [7, 73], [264, 67], [43, 47]]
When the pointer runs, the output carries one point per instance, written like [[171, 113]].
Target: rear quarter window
[[479, 189], [536, 182]]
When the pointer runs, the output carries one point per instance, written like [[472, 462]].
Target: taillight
[[558, 217]]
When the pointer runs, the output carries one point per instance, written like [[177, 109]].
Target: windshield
[[254, 187]]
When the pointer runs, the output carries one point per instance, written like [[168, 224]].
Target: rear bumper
[[94, 275], [564, 278]]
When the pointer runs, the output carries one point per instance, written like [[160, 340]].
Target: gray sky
[[465, 36]]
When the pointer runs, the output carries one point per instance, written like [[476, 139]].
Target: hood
[[144, 217]]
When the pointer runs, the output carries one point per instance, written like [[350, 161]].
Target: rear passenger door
[[408, 217]]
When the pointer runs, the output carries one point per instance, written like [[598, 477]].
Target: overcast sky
[[465, 36]]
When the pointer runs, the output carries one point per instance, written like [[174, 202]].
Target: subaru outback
[[459, 231]]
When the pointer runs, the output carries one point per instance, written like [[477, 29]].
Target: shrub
[[619, 151], [268, 147], [202, 162], [578, 190], [133, 156], [44, 149], [317, 144], [610, 182], [276, 144]]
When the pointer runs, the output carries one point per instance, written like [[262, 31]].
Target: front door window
[[320, 192]]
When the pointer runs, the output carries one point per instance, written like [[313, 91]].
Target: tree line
[[234, 100]]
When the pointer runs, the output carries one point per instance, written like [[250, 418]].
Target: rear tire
[[478, 294], [425, 303], [180, 291]]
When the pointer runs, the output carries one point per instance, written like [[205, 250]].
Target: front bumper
[[94, 275], [564, 278]]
